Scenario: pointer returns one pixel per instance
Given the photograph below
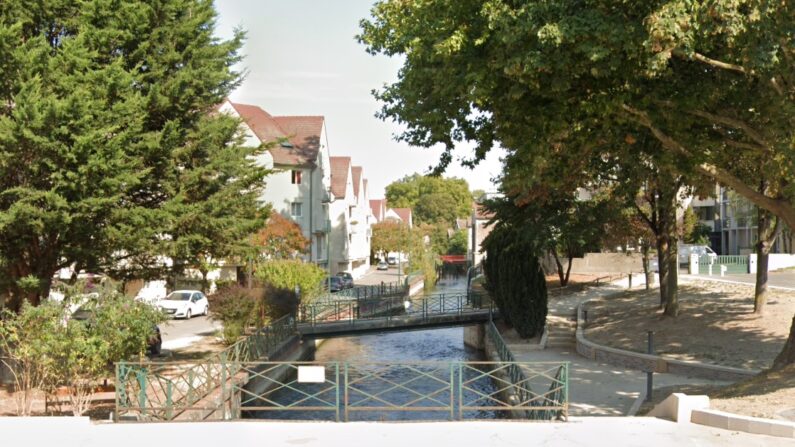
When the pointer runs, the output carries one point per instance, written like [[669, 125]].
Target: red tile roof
[[357, 178], [340, 166], [482, 213], [377, 206], [303, 132], [404, 214]]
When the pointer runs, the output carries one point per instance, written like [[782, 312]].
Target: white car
[[185, 304]]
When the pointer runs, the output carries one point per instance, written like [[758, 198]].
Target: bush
[[239, 308], [236, 307], [287, 274], [48, 348]]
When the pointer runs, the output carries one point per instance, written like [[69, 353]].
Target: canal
[[389, 376]]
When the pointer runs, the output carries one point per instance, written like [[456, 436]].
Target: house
[[732, 221], [378, 210], [300, 183], [351, 218], [479, 231]]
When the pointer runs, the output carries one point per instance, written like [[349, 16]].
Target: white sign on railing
[[311, 374]]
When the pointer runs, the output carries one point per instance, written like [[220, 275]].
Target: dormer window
[[296, 177]]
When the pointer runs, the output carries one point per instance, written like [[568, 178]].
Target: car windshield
[[179, 296]]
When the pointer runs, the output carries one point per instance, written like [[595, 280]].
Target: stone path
[[595, 389]]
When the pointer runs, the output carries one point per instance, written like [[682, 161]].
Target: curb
[[728, 281], [649, 362], [748, 424]]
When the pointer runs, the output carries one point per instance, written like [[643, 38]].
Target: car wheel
[[206, 310], [187, 315]]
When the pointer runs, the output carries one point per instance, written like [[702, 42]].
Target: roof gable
[[340, 167], [356, 171], [301, 132]]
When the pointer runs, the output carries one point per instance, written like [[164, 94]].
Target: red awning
[[454, 258]]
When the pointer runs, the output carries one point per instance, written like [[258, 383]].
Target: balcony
[[323, 227]]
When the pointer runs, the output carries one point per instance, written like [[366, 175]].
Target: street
[[785, 278], [181, 333]]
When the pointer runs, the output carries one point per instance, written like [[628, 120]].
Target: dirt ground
[[768, 395], [715, 324]]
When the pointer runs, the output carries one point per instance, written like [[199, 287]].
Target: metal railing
[[397, 288], [164, 390], [346, 391], [421, 307], [733, 263], [551, 404]]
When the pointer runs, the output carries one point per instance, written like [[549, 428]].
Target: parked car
[[685, 250], [334, 284], [155, 342], [347, 279], [391, 260], [382, 266], [185, 304]]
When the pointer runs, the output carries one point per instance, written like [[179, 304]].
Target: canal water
[[377, 373]]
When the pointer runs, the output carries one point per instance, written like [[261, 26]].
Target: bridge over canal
[[246, 378]]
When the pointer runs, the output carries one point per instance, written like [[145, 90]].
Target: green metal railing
[[553, 403], [420, 307], [397, 288], [347, 391], [734, 264], [163, 390]]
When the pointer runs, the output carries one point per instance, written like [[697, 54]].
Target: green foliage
[[515, 280], [432, 199], [692, 231], [112, 157], [237, 308], [240, 308], [458, 243], [287, 274], [389, 236], [49, 348]]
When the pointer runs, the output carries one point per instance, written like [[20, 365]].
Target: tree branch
[[711, 62], [779, 207], [733, 122]]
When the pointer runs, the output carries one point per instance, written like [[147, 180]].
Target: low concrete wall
[[775, 261], [600, 263], [655, 363]]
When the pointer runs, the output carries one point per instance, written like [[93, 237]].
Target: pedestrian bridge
[[349, 317]]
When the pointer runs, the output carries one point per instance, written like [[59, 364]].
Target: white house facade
[[298, 188]]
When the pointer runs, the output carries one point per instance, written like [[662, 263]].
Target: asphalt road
[[178, 332], [378, 276]]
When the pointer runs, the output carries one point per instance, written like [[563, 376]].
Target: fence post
[[650, 374]]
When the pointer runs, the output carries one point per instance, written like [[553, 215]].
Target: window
[[296, 209], [296, 177]]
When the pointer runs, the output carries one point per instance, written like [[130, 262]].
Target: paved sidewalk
[[613, 432], [597, 389]]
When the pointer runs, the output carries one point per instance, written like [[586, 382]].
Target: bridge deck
[[393, 322]]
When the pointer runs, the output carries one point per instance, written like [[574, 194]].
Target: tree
[[281, 238], [458, 243], [711, 82], [107, 130], [432, 199], [514, 278], [389, 236]]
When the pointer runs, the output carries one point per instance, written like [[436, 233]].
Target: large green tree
[[712, 82], [111, 157], [432, 199]]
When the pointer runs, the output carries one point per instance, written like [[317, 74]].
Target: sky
[[302, 58]]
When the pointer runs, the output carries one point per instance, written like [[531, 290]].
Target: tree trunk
[[663, 267], [787, 355], [648, 274], [767, 235], [561, 273], [568, 269], [672, 300]]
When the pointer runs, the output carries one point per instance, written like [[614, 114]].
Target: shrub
[[48, 348], [515, 280], [287, 274], [236, 307]]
